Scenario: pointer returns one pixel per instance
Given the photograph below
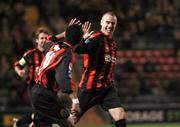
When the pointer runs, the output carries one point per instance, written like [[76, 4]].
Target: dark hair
[[74, 34]]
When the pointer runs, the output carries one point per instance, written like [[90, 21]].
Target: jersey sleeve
[[90, 45], [24, 60], [20, 63], [51, 40], [87, 46]]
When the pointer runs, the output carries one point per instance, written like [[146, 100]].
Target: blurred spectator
[[149, 65], [21, 39], [156, 88], [134, 87], [128, 66], [142, 28], [144, 87], [6, 73], [14, 99], [173, 89], [127, 41], [18, 11], [176, 42], [158, 26]]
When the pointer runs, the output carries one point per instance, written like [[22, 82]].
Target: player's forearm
[[60, 35], [73, 95]]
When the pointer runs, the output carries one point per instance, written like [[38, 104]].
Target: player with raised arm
[[55, 74], [96, 85]]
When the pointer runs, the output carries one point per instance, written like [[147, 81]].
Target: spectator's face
[[177, 35], [108, 24], [41, 40]]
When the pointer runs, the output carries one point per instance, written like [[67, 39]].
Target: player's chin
[[108, 33]]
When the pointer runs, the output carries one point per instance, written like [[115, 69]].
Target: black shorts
[[47, 106], [106, 98]]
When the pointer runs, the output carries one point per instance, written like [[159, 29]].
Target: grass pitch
[[139, 125]]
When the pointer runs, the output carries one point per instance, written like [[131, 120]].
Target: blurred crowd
[[155, 20]]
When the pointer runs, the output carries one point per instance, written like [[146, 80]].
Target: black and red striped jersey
[[32, 58], [55, 72], [99, 61]]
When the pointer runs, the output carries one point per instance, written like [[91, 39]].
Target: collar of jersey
[[66, 43]]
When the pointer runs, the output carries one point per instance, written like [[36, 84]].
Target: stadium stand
[[148, 35]]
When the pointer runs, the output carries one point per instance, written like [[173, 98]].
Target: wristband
[[75, 101]]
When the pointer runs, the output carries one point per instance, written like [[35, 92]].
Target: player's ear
[[36, 40]]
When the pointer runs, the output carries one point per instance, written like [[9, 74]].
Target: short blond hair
[[109, 13]]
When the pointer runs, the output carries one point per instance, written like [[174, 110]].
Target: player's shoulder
[[96, 34], [68, 49], [30, 51], [96, 37]]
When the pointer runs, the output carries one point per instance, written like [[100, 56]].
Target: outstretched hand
[[74, 21], [86, 27]]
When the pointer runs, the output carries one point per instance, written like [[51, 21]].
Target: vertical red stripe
[[82, 79], [106, 45], [112, 62], [36, 59], [86, 60], [90, 79], [30, 73], [106, 51], [36, 62]]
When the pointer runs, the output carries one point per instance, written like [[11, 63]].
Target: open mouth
[[109, 30]]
